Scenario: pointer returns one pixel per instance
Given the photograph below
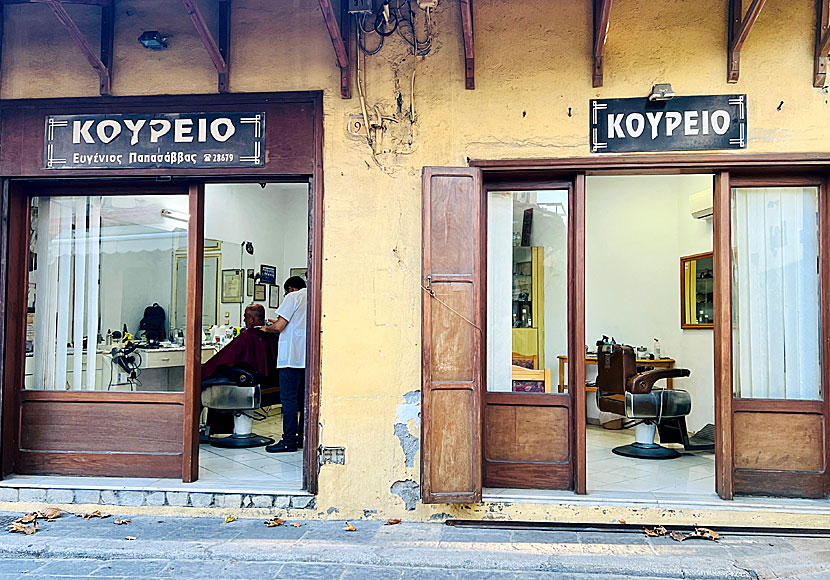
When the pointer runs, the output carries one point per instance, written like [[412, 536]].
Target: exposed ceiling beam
[[339, 42], [739, 26], [468, 32], [107, 37], [822, 43], [210, 43], [602, 18], [81, 42]]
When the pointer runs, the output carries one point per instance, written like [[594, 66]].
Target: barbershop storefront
[[116, 205]]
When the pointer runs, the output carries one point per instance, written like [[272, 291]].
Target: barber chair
[[238, 390], [624, 389]]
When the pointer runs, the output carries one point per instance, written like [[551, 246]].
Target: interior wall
[[637, 228]]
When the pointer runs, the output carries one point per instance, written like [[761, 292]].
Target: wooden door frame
[[747, 169], [575, 185]]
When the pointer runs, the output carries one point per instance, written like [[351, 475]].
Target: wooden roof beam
[[602, 18], [213, 49], [339, 34], [87, 2], [739, 26], [468, 33], [83, 45], [822, 43]]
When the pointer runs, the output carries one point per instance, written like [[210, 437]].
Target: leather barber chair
[[624, 390], [238, 390]]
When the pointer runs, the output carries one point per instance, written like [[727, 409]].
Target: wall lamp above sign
[[661, 92], [153, 39]]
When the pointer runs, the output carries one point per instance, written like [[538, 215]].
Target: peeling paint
[[369, 513], [332, 510], [408, 411], [408, 490]]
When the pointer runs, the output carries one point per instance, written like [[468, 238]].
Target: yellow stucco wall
[[533, 88]]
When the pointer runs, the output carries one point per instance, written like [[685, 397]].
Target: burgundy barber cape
[[253, 349]]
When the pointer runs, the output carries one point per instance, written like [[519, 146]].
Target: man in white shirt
[[290, 323]]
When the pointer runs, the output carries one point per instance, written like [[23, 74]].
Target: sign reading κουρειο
[[155, 141], [679, 124]]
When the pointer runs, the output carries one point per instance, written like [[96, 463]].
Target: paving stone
[[131, 498], [187, 569], [71, 567], [282, 502], [229, 500], [87, 496], [32, 495], [262, 501], [202, 499], [177, 498], [314, 571], [429, 574], [154, 498], [373, 572], [259, 570], [128, 568], [483, 575], [302, 502], [109, 497], [9, 494], [60, 496], [15, 567]]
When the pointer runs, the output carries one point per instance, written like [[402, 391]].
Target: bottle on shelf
[[657, 348]]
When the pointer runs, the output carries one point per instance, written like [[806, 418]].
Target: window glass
[[775, 293], [527, 264], [101, 288]]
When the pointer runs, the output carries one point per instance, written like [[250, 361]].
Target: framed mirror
[[697, 291]]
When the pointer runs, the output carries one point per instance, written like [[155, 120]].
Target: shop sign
[[678, 124], [155, 141]]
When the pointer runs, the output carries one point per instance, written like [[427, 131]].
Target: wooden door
[[771, 338], [535, 440], [451, 362], [78, 424]]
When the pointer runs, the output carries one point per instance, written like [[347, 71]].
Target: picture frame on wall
[[232, 285], [249, 282], [301, 272], [259, 292], [273, 296], [268, 274]]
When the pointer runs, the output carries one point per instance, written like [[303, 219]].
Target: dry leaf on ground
[[621, 521], [704, 534], [296, 524], [350, 528], [230, 519], [130, 538], [656, 531], [28, 518], [118, 522], [16, 528], [393, 522], [51, 514], [274, 522], [95, 514], [29, 530], [678, 536]]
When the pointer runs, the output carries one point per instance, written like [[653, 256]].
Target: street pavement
[[205, 547]]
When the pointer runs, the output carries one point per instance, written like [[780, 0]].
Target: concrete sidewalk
[[165, 547]]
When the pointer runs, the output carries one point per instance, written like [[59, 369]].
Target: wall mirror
[[697, 291]]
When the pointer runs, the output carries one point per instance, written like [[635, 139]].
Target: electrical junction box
[[359, 6]]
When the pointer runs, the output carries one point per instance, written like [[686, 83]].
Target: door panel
[[451, 333]]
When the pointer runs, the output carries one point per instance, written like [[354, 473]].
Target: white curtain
[[776, 293], [500, 292], [66, 304]]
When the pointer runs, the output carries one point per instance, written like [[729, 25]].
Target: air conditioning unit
[[700, 204]]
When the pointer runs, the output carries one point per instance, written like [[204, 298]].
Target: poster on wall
[[155, 141], [679, 124]]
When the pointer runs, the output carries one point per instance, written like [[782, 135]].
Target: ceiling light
[[153, 39], [175, 215], [661, 92]]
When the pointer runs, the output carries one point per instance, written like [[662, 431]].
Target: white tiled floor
[[690, 474], [253, 465]]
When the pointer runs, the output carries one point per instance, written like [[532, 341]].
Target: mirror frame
[[683, 260]]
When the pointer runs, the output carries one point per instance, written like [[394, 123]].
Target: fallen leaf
[[95, 514], [16, 527], [678, 536], [392, 522], [230, 519], [28, 518], [621, 521], [274, 522], [51, 514], [130, 538], [350, 528], [296, 525], [29, 530], [704, 534], [118, 522], [656, 532]]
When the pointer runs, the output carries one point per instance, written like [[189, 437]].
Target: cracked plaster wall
[[533, 87]]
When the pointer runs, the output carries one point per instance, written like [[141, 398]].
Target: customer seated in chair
[[252, 350]]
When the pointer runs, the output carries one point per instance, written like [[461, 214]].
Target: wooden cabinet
[[529, 302]]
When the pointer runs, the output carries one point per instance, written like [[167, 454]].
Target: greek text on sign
[[678, 124], [155, 141]]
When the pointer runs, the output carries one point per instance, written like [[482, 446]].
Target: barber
[[290, 323]]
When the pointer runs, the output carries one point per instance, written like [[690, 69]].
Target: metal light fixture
[[661, 92], [175, 215], [153, 39]]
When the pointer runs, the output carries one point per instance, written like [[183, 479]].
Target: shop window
[[775, 293], [101, 290], [527, 263]]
